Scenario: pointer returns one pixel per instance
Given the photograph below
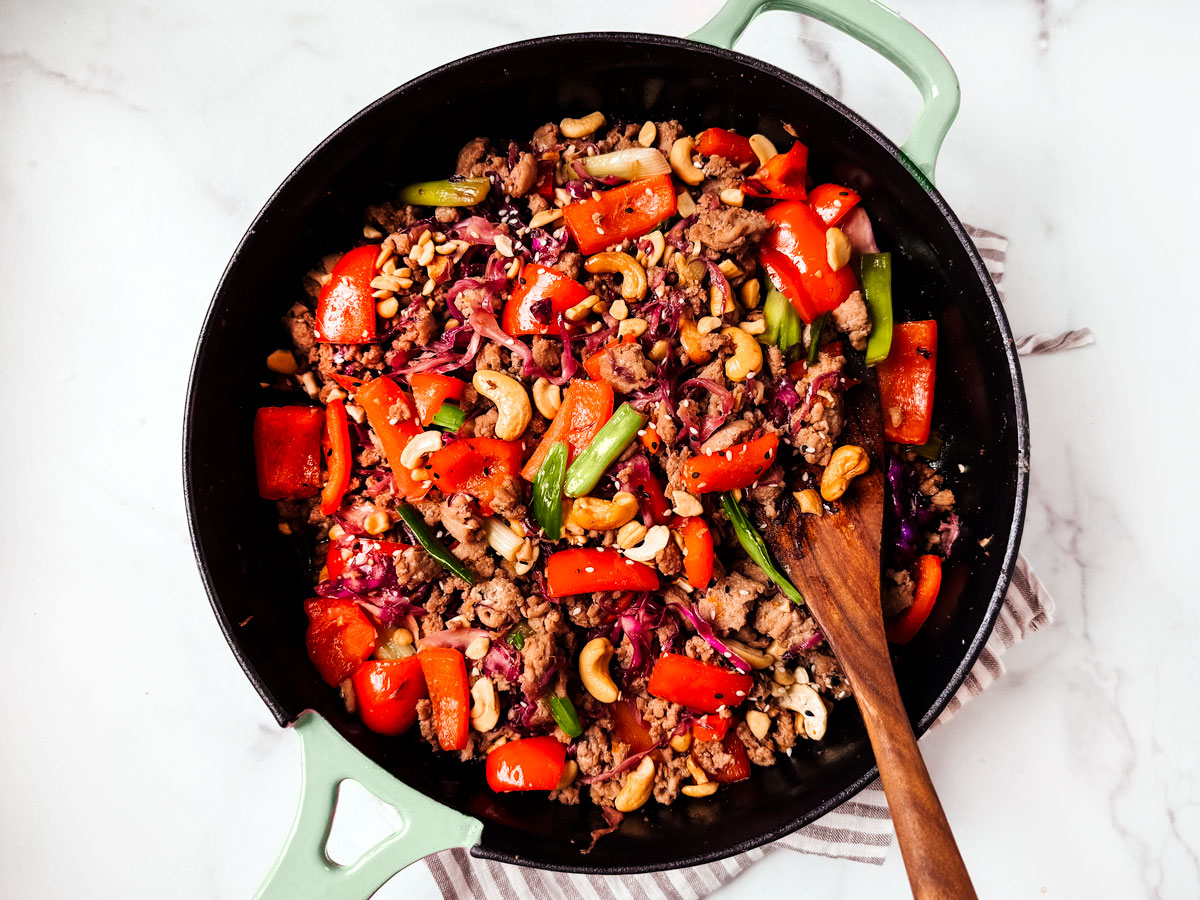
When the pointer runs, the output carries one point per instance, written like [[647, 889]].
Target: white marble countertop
[[138, 140]]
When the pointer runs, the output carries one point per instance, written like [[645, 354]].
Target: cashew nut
[[658, 246], [686, 504], [547, 397], [811, 714], [593, 670], [511, 401], [596, 514], [647, 135], [419, 447], [633, 276], [847, 463], [837, 248], [749, 292], [282, 362], [684, 204], [762, 147], [755, 658], [747, 356], [545, 217], [570, 770], [697, 773], [580, 310], [759, 723], [478, 648], [527, 555], [630, 534], [577, 128], [639, 785], [655, 540], [485, 708], [753, 326], [680, 159], [732, 197], [682, 743], [658, 351], [809, 501], [700, 790], [619, 310], [377, 522], [635, 327], [708, 324], [689, 336]]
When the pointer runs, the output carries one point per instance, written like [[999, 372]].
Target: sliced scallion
[[460, 192]]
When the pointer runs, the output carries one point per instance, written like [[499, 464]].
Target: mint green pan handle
[[897, 40], [303, 871]]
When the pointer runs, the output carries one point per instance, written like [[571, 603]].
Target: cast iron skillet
[[256, 578]]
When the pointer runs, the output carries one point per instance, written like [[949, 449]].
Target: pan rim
[[1021, 416]]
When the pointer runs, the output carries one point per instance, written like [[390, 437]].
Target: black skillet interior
[[253, 573]]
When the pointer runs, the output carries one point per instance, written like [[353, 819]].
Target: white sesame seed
[[741, 693], [590, 569]]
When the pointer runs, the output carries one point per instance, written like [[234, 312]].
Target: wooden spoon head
[[834, 559]]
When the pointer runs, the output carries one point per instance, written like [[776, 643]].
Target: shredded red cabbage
[[704, 629], [675, 237], [909, 511], [476, 230], [370, 578], [949, 531], [810, 396], [701, 427]]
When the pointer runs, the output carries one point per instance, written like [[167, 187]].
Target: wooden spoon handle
[[935, 867]]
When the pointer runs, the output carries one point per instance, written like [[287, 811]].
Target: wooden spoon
[[834, 559]]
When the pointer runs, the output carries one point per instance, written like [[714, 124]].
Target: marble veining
[[138, 140]]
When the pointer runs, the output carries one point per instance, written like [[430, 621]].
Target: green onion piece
[[565, 715], [449, 417], [629, 164], [547, 491], [609, 443], [434, 547], [464, 192], [931, 449], [756, 548], [876, 270], [784, 326], [814, 337], [516, 637]]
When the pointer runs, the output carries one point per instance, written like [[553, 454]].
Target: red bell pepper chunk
[[540, 295], [697, 551], [287, 451], [345, 306], [585, 407], [386, 692], [738, 768], [348, 383], [339, 637], [338, 555], [628, 210], [337, 457], [629, 727], [737, 467], [529, 764], [906, 380], [650, 439], [445, 672], [475, 466], [393, 418], [591, 365], [585, 570], [929, 582], [697, 685], [431, 391], [832, 201], [719, 142], [711, 727], [783, 177], [651, 499], [795, 257], [546, 183]]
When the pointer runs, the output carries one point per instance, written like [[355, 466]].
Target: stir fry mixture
[[547, 398]]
